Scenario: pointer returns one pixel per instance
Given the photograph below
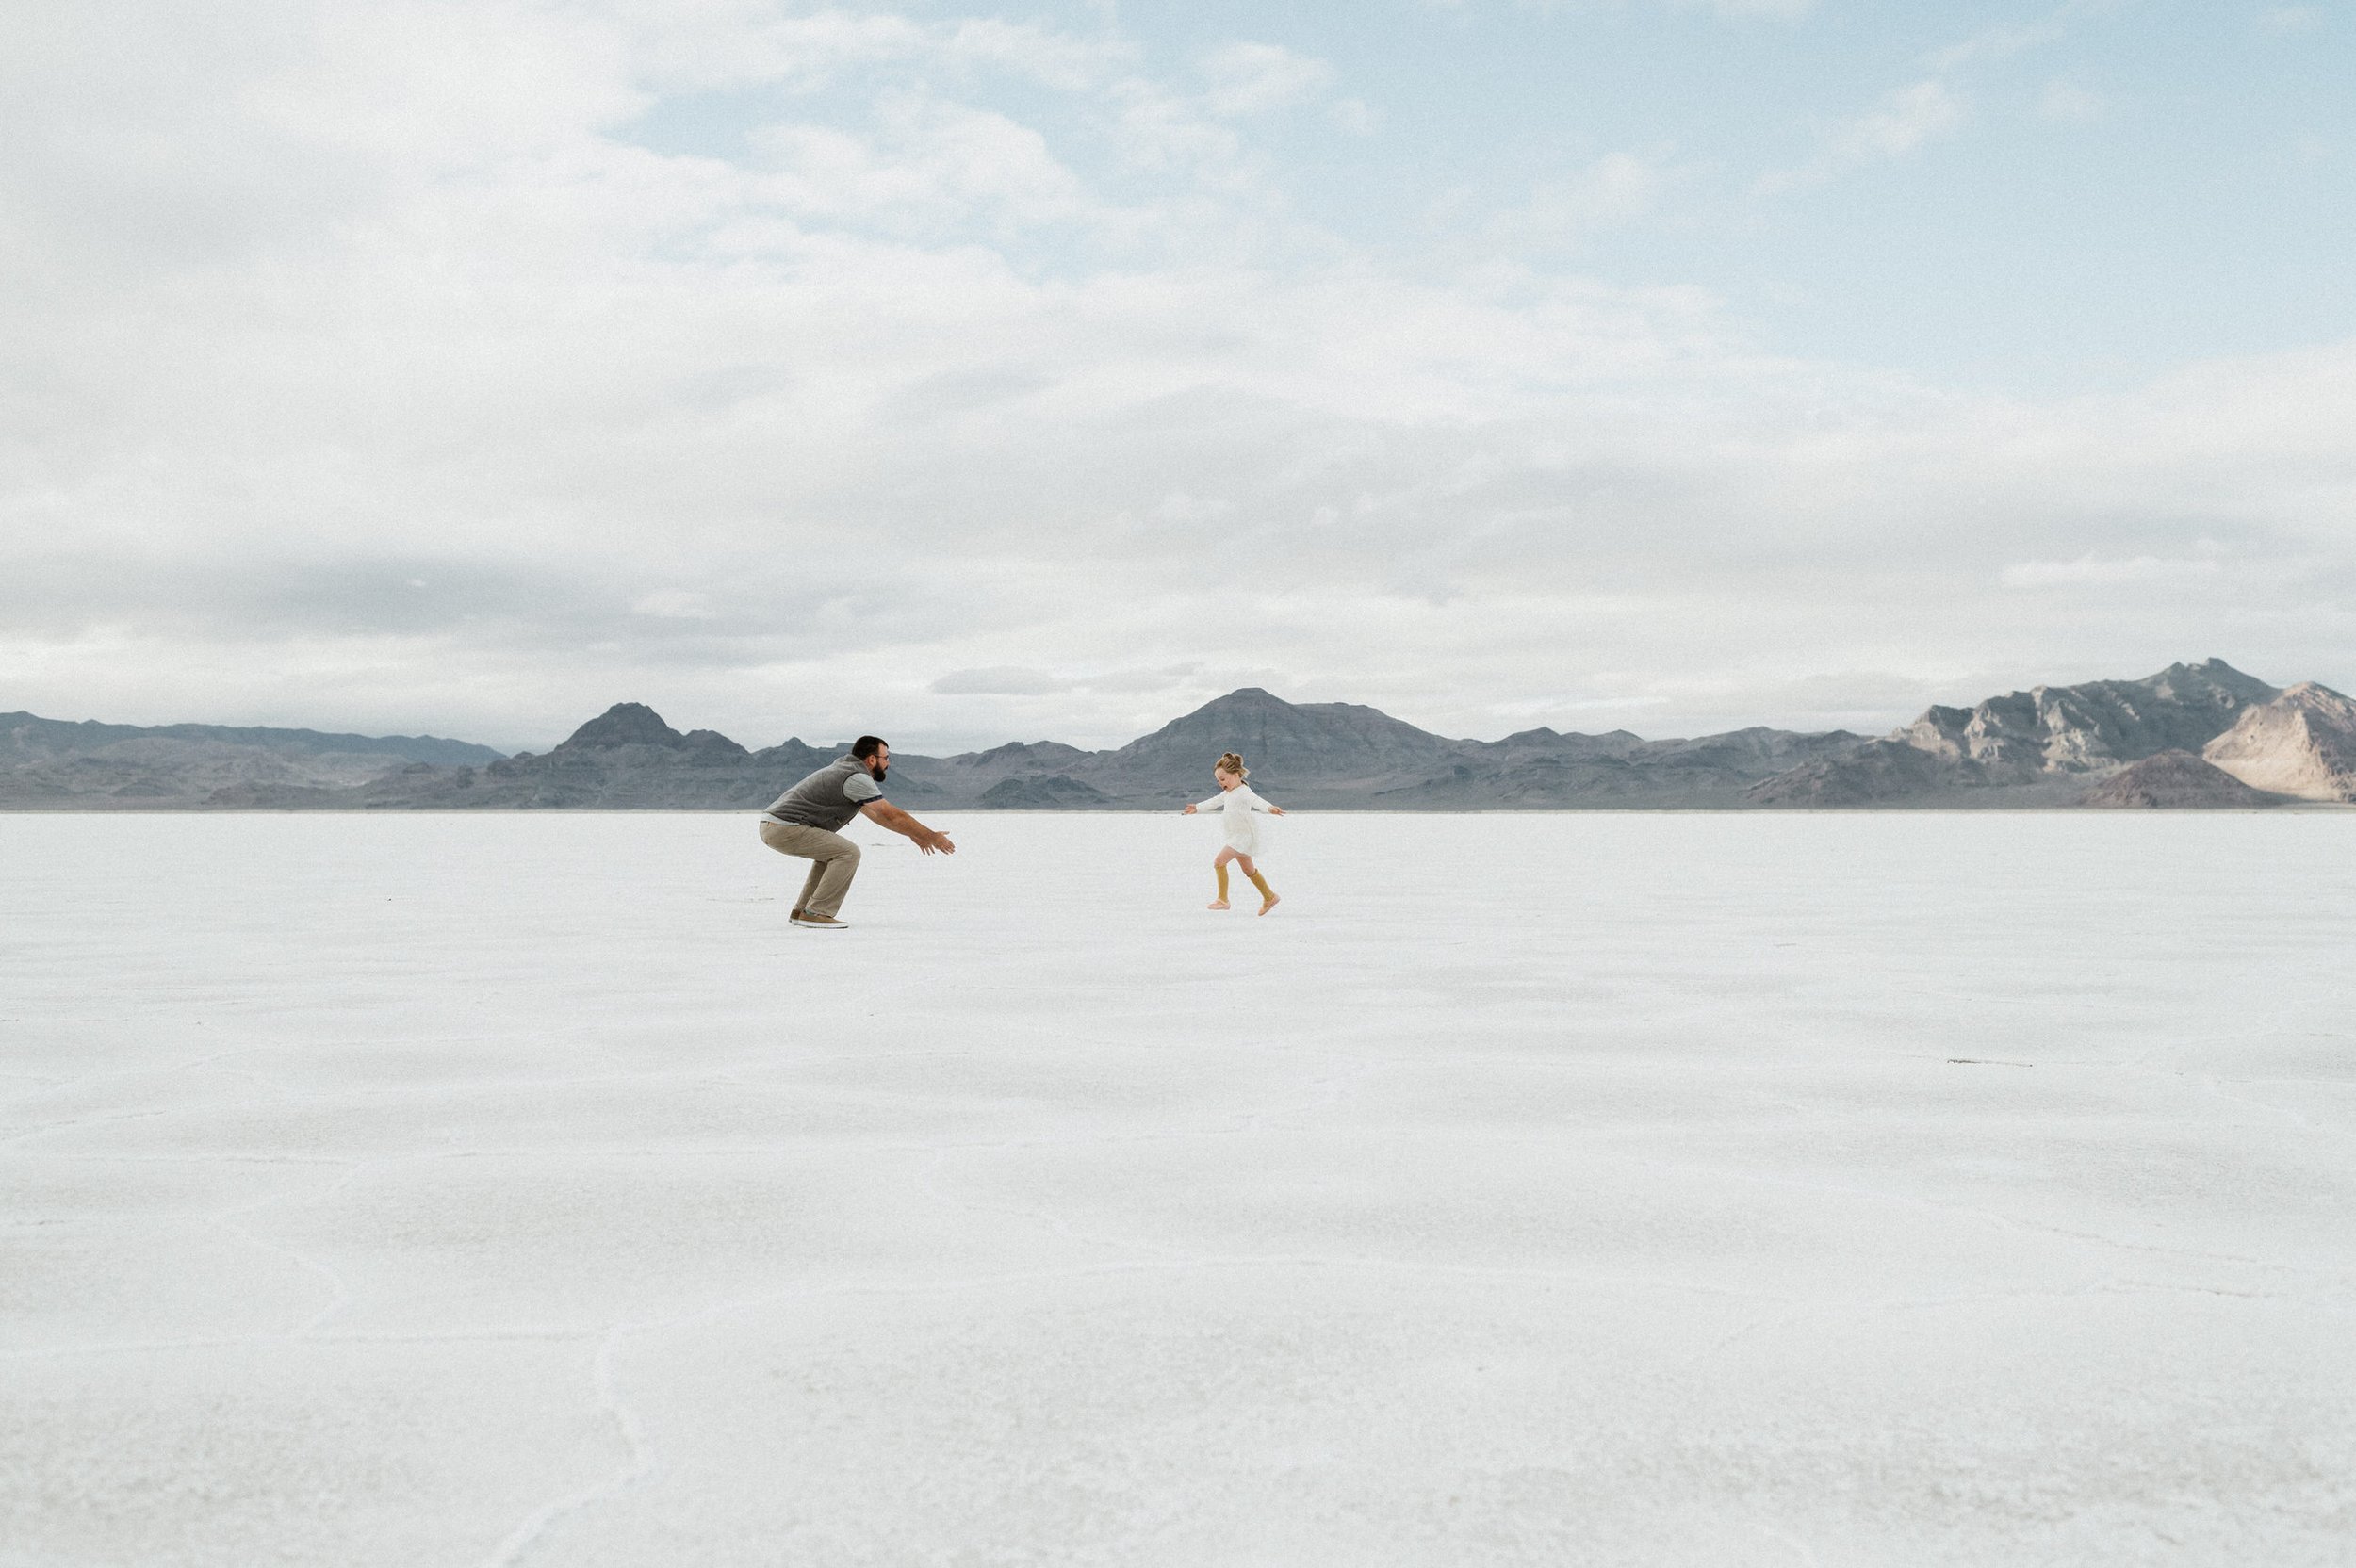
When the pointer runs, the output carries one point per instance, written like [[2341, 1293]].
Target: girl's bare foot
[[1215, 903], [1272, 902]]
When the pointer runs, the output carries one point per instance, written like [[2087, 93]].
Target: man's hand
[[884, 814]]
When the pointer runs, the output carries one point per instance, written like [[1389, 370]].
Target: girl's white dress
[[1243, 811]]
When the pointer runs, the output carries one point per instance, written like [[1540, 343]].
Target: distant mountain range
[[50, 764], [2193, 735], [2057, 745]]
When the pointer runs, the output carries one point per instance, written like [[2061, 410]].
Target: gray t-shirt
[[828, 798]]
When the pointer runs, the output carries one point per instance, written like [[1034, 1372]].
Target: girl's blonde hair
[[1230, 761]]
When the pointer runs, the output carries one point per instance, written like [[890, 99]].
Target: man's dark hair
[[865, 747]]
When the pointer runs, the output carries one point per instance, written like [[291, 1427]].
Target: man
[[809, 818]]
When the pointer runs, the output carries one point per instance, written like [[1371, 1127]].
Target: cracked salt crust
[[509, 1190]]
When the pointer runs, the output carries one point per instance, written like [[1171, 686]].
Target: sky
[[967, 374]]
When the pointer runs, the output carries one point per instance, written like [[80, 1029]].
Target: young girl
[[1237, 803]]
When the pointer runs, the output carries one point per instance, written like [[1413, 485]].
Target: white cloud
[[1005, 682], [672, 604], [1254, 78], [2001, 43], [1181, 507], [1901, 123], [846, 436], [931, 163], [1784, 10], [2292, 19], [1612, 191], [2090, 571], [718, 47]]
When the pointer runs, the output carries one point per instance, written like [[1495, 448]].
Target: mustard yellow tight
[[1219, 868]]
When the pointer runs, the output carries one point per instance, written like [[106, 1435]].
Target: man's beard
[[881, 771]]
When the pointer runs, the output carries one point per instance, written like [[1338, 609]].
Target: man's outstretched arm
[[884, 814]]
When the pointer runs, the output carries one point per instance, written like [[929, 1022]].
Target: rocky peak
[[2174, 781], [2088, 727], [710, 745], [2303, 743], [1612, 743], [2212, 681], [625, 724], [1296, 741], [1018, 754]]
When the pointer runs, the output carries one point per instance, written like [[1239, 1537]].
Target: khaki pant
[[834, 860]]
